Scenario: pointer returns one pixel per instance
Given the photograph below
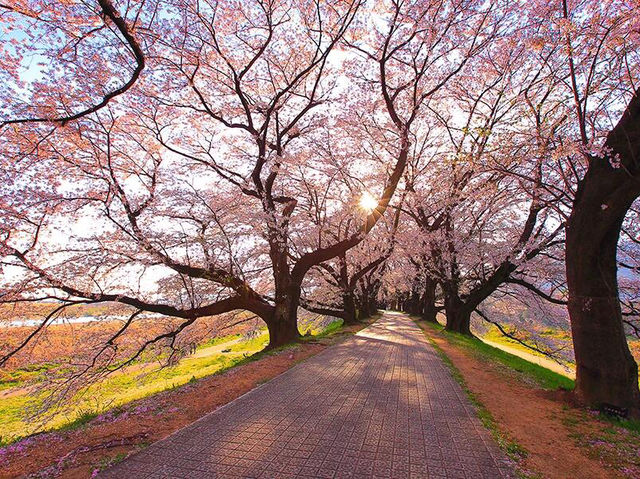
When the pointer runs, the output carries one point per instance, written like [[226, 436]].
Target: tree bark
[[605, 369], [350, 310], [283, 329], [283, 324], [369, 308], [458, 315], [429, 310], [364, 306], [459, 321]]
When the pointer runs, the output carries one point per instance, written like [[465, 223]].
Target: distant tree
[[345, 287]]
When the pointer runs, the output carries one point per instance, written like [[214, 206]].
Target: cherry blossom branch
[[110, 12]]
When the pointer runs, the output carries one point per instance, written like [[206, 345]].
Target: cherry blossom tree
[[89, 53], [257, 69], [190, 158], [346, 287], [599, 67]]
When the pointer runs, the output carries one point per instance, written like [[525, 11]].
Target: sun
[[368, 202]]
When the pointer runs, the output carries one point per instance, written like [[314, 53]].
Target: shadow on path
[[381, 404]]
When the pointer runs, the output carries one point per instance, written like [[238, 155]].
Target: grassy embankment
[[535, 367], [535, 373], [561, 338], [530, 372], [19, 392]]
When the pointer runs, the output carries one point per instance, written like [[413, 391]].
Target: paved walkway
[[381, 405]]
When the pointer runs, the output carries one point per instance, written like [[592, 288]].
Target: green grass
[[612, 442], [218, 340], [557, 333], [106, 463], [82, 418], [317, 333], [629, 424], [119, 389], [540, 375], [23, 375], [495, 336], [616, 445]]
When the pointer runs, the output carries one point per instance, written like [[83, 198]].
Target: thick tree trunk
[[369, 308], [372, 307], [458, 315], [459, 321], [283, 325], [429, 310], [605, 369], [430, 313], [365, 307], [283, 329], [350, 311]]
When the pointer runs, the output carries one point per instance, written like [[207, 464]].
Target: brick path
[[381, 404]]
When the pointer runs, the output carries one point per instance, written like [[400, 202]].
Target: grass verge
[[613, 443], [530, 372], [118, 389]]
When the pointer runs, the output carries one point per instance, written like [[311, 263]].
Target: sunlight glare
[[368, 202]]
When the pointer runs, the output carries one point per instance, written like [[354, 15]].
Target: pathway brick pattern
[[380, 405]]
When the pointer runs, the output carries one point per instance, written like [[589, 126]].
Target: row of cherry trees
[[194, 157], [523, 167]]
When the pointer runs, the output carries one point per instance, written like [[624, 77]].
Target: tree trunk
[[430, 313], [458, 316], [605, 369], [283, 330], [349, 305], [429, 310], [369, 308], [365, 307], [283, 325], [459, 321]]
